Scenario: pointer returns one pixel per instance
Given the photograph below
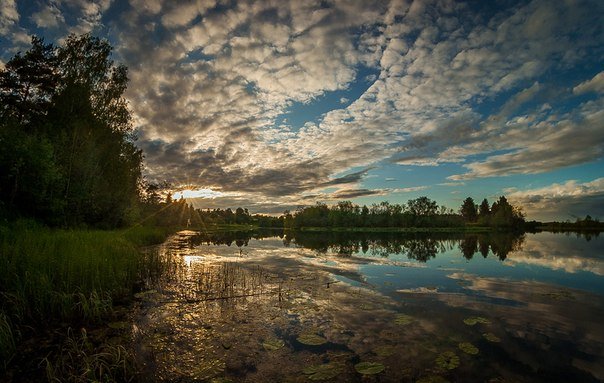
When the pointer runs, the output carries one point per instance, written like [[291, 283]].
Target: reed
[[71, 276]]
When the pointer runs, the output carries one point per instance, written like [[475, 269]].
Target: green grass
[[49, 276]]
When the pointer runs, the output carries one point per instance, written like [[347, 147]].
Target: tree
[[484, 210], [505, 215], [66, 107], [28, 82], [468, 210], [422, 206]]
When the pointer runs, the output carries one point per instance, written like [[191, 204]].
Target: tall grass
[[72, 276]]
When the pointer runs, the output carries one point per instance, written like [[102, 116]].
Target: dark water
[[269, 307]]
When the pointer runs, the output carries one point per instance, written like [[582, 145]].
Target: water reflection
[[275, 306], [417, 246]]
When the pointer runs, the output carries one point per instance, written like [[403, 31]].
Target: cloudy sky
[[276, 104]]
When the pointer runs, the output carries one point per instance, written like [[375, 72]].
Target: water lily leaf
[[323, 371], [384, 351], [471, 321], [559, 295], [119, 325], [432, 379], [311, 339], [221, 380], [403, 319], [468, 348], [273, 344], [491, 337], [209, 369], [448, 360], [369, 368]]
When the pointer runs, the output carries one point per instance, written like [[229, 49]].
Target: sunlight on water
[[375, 308]]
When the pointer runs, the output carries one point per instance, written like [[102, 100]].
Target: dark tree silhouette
[[468, 210]]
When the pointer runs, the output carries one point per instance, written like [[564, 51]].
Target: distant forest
[[419, 212]]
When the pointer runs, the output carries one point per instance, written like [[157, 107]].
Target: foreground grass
[[50, 276]]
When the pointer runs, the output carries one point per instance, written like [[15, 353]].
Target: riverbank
[[57, 283]]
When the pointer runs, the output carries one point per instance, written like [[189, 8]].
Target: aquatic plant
[[560, 295], [491, 337], [384, 351], [468, 348], [49, 276], [273, 344], [369, 368], [311, 339], [448, 360], [7, 340], [471, 321], [79, 360], [403, 319], [323, 371], [208, 369]]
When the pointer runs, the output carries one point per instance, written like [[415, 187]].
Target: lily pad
[[491, 337], [209, 369], [221, 380], [119, 325], [273, 344], [311, 339], [384, 351], [323, 371], [369, 368], [471, 321], [559, 295], [448, 360], [468, 348], [403, 319]]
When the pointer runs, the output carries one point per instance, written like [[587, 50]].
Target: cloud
[[355, 193], [570, 199], [549, 144], [219, 85], [9, 15], [409, 189], [349, 178], [212, 86], [48, 17], [596, 84]]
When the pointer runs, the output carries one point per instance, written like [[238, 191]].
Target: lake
[[348, 307]]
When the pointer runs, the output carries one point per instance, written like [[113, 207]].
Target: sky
[[272, 105]]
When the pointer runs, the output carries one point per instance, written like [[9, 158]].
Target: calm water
[[334, 307]]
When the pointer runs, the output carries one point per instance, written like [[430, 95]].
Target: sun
[[196, 193]]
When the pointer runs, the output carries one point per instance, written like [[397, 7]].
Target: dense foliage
[[67, 155]]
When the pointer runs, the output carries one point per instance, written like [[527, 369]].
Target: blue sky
[[277, 104]]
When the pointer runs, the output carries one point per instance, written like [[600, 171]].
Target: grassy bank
[[74, 277]]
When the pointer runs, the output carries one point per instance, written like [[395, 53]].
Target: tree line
[[419, 212]]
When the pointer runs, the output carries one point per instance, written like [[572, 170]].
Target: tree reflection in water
[[417, 246]]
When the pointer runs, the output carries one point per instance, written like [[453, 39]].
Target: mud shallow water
[[298, 309]]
